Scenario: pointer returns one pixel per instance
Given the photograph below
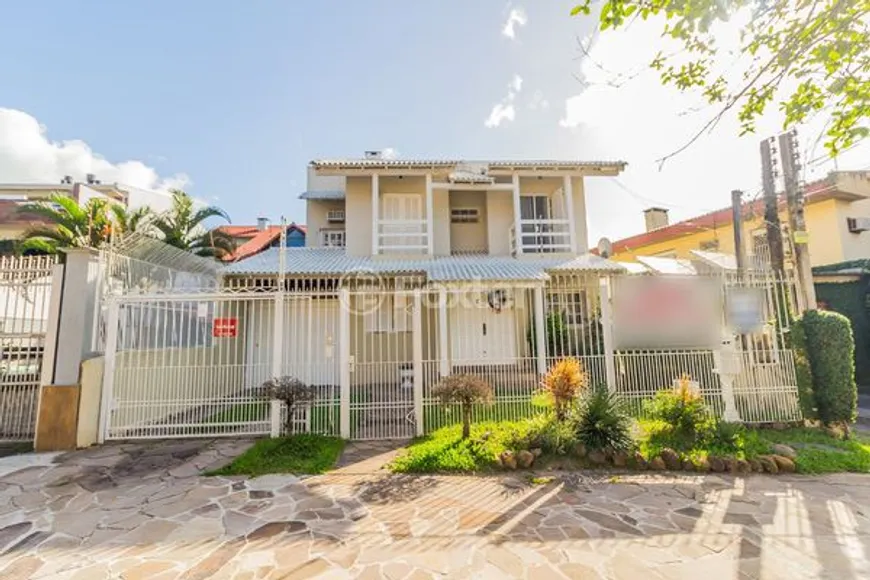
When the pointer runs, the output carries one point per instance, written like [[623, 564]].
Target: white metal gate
[[194, 365], [25, 294]]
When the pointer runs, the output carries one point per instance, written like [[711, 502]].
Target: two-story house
[[415, 269]]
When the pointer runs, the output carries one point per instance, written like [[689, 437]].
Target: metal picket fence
[[25, 295]]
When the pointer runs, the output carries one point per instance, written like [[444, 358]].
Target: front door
[[483, 330]]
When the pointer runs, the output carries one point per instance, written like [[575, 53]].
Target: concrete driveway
[[144, 511]]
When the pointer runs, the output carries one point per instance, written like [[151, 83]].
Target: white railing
[[540, 236], [403, 236]]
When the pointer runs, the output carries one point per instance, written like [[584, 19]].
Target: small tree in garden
[[292, 392], [602, 423], [563, 383], [465, 390]]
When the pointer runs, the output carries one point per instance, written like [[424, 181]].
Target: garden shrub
[[465, 390], [803, 372], [682, 408], [831, 352], [563, 383], [552, 436], [602, 423], [292, 392]]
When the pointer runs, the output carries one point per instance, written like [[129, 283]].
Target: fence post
[[417, 340], [540, 331], [607, 332], [277, 358], [344, 363], [109, 367], [444, 365]]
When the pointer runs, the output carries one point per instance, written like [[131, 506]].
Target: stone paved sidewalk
[[144, 511]]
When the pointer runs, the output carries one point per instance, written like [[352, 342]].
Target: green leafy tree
[[183, 226], [70, 225], [804, 56]]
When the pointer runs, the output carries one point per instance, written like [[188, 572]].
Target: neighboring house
[[14, 222], [251, 240], [837, 216]]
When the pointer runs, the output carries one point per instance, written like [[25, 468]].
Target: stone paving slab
[[143, 511]]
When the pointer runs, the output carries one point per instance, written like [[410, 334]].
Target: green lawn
[[436, 416], [818, 452], [298, 454], [444, 451]]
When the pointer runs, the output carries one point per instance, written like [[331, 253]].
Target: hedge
[[830, 349], [803, 372], [851, 300]]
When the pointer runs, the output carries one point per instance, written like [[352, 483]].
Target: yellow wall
[[469, 237], [823, 224], [316, 211]]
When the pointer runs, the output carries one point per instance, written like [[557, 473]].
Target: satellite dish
[[605, 248]]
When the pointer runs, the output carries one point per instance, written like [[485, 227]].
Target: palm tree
[[127, 221], [74, 226], [182, 226]]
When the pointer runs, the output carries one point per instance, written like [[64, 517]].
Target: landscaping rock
[[783, 450], [620, 459], [597, 457], [688, 465], [768, 464], [778, 426], [580, 450], [836, 431], [537, 452], [755, 466], [702, 465], [717, 465], [657, 464], [525, 459], [639, 461], [784, 464], [508, 460], [743, 466], [730, 464], [672, 459]]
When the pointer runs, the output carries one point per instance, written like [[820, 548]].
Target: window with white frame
[[464, 215], [386, 313], [571, 305], [332, 238]]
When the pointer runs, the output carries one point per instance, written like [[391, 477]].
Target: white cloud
[[28, 156], [504, 110], [638, 120], [500, 112], [517, 17], [538, 101]]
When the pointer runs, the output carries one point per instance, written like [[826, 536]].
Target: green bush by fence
[[803, 371], [831, 353], [850, 300]]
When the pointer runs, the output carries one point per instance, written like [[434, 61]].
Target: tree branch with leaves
[[805, 57]]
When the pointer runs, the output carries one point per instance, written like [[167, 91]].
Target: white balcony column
[[443, 355], [540, 331], [518, 228], [568, 190], [376, 218], [430, 218], [605, 294]]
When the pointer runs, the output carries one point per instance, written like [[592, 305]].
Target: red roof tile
[[816, 191], [258, 240]]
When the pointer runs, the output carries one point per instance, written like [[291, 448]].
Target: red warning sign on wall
[[225, 328]]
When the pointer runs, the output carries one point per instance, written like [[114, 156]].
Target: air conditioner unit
[[858, 225], [334, 216]]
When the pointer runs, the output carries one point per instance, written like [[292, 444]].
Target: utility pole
[[771, 209], [737, 219], [794, 195]]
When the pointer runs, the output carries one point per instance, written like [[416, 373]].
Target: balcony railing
[[542, 236], [403, 236]]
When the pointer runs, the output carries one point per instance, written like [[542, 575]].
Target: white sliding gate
[[25, 295], [193, 366]]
